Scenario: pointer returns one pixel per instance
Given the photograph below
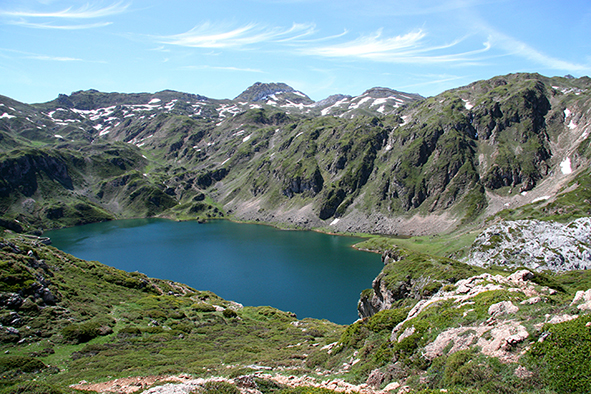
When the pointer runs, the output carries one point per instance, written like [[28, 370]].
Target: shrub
[[229, 313], [82, 332], [214, 387], [130, 331], [22, 364], [203, 307], [386, 319], [563, 356], [32, 388]]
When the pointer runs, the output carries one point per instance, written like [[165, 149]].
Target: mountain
[[383, 162]]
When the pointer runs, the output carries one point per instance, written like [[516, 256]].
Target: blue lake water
[[308, 273]]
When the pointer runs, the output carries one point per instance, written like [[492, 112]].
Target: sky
[[218, 48]]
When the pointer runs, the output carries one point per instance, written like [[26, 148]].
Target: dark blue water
[[308, 273]]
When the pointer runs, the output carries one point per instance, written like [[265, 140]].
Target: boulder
[[502, 308]]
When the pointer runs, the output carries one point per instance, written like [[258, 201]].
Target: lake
[[305, 272]]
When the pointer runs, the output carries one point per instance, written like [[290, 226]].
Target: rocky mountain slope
[[384, 161]]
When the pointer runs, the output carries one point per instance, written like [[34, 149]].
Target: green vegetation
[[562, 356]]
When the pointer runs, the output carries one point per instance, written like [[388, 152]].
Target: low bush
[[31, 388], [21, 364], [563, 356]]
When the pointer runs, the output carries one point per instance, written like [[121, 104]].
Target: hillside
[[384, 162], [428, 323]]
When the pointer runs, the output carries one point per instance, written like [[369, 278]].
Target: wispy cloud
[[521, 49], [54, 58], [59, 27], [407, 48], [222, 68], [512, 46], [37, 56], [47, 20], [86, 12], [303, 39], [207, 35]]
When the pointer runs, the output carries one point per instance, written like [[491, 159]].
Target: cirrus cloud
[[207, 35]]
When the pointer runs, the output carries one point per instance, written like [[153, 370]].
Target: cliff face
[[19, 172]]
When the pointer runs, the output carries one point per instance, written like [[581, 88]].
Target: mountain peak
[[261, 91]]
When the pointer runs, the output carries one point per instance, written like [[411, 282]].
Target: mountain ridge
[[450, 160]]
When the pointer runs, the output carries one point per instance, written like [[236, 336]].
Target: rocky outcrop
[[534, 244], [20, 173], [298, 185], [497, 336]]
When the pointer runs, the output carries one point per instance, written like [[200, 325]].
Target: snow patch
[[299, 93], [572, 125], [154, 101], [468, 104], [566, 113], [543, 198], [565, 166], [379, 101], [5, 115], [58, 136], [388, 147], [362, 101], [334, 222], [246, 138]]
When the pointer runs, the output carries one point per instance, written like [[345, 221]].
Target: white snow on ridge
[[246, 138], [299, 93], [154, 101], [543, 198], [572, 125], [5, 115], [565, 166], [379, 101], [468, 104], [567, 113], [362, 101]]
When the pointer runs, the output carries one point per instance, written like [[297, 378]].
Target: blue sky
[[218, 48]]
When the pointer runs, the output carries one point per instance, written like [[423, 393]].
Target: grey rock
[[535, 244]]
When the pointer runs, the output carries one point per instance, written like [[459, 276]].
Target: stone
[[531, 301], [376, 378], [520, 276], [581, 296], [406, 333], [502, 308], [392, 386], [561, 318], [523, 373]]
